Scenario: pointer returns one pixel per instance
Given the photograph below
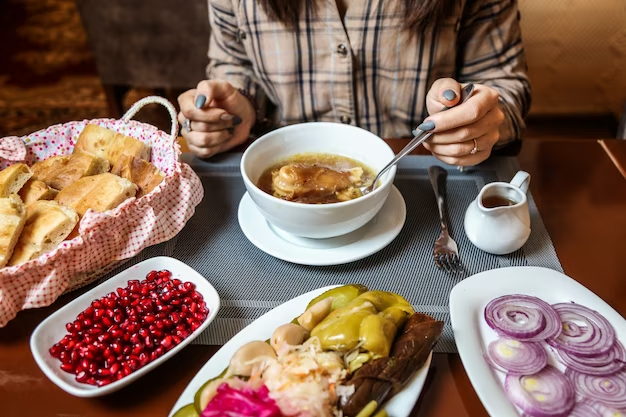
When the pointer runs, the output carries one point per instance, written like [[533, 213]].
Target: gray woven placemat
[[251, 283]]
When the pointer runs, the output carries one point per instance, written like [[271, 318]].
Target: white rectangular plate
[[51, 330], [472, 334], [262, 328]]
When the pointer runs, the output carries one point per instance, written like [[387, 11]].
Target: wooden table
[[581, 196]]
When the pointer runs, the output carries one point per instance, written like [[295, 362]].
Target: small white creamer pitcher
[[498, 220]]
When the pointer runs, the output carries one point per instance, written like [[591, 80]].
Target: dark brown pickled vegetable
[[381, 378]]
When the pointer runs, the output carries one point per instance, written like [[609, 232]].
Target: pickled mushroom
[[288, 335], [249, 356]]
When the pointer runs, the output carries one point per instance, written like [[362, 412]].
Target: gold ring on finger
[[475, 150]]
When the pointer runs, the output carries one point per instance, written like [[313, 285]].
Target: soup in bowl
[[305, 179]]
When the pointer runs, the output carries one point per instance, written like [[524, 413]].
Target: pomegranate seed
[[126, 370], [184, 308], [197, 296], [149, 343], [91, 380], [104, 381], [165, 274], [67, 367], [114, 368], [176, 282], [151, 275], [182, 333], [88, 338], [119, 375], [64, 357], [193, 307], [188, 286], [96, 304], [116, 347], [81, 376], [127, 350], [167, 340], [156, 333], [176, 340], [89, 311], [74, 356], [103, 372], [118, 318], [69, 327], [138, 348], [195, 325], [134, 339], [55, 350]]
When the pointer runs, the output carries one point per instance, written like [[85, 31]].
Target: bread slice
[[109, 144], [35, 190], [141, 172], [12, 219], [13, 178], [98, 192], [63, 171], [47, 224]]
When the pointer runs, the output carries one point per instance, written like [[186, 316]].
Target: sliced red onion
[[522, 317], [597, 338], [603, 364], [605, 411], [547, 393], [584, 409], [516, 357], [610, 390]]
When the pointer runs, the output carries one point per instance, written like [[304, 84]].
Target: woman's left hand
[[466, 133]]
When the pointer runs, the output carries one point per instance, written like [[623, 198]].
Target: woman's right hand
[[220, 117]]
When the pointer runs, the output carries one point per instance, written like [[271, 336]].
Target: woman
[[383, 65]]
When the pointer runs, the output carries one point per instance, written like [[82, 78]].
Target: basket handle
[[159, 100]]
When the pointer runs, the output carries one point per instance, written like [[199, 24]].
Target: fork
[[445, 251]]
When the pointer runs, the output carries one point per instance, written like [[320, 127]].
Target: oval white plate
[[365, 241], [262, 328], [472, 334], [52, 329]]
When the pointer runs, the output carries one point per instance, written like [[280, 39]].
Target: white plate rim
[[400, 405], [355, 251], [470, 296], [55, 323]]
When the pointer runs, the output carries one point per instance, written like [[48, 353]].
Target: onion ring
[[544, 394], [610, 390], [522, 317], [597, 338], [515, 357], [603, 364]]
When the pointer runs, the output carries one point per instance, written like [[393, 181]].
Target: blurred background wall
[[576, 52]]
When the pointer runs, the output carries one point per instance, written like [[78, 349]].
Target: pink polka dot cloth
[[105, 238]]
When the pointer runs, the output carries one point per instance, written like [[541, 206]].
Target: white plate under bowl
[[51, 330], [263, 327], [468, 300], [369, 239]]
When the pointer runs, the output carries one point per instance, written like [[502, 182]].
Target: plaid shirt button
[[345, 119], [341, 49]]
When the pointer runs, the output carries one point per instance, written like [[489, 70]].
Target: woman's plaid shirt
[[366, 70]]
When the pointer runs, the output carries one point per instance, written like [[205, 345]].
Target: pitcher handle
[[521, 180]]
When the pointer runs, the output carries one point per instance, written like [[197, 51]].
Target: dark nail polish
[[200, 101], [236, 120], [230, 130], [449, 95], [426, 126]]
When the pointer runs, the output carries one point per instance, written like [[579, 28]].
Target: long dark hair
[[418, 13]]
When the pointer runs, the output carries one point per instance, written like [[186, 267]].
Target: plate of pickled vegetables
[[338, 351]]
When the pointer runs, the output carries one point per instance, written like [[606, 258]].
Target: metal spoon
[[420, 137]]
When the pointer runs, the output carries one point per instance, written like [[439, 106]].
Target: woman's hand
[[220, 117], [465, 134]]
